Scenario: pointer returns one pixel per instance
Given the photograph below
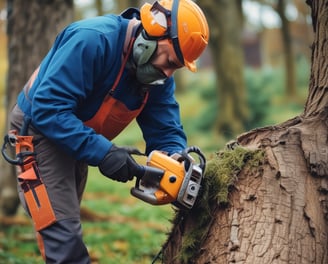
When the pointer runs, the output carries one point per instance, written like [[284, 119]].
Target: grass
[[119, 228], [133, 231]]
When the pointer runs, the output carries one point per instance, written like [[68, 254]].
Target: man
[[100, 74]]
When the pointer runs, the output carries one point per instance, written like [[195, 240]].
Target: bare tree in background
[[127, 3], [278, 210], [31, 29], [290, 72], [225, 22], [280, 6]]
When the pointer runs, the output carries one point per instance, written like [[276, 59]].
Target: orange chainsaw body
[[167, 180]]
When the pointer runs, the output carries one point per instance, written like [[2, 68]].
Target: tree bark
[[278, 210], [32, 27]]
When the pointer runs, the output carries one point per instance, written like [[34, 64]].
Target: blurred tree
[[304, 19], [225, 21], [289, 59], [290, 74], [99, 6], [31, 29], [123, 4], [278, 206]]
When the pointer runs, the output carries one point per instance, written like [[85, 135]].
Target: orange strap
[[40, 242], [105, 107], [113, 116]]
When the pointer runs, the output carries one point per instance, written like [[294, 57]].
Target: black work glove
[[119, 165]]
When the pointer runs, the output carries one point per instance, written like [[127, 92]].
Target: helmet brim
[[191, 66]]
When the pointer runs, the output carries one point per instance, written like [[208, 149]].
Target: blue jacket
[[74, 78]]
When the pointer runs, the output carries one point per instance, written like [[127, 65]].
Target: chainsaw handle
[[148, 174], [201, 157]]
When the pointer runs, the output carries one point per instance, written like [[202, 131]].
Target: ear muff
[[143, 49]]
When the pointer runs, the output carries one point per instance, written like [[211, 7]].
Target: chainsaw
[[165, 180]]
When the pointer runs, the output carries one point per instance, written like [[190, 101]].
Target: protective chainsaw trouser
[[65, 179]]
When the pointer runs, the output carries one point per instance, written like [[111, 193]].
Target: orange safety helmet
[[181, 21]]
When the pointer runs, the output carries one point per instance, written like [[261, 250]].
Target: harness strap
[[125, 59]]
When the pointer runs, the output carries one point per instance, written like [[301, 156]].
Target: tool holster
[[29, 178]]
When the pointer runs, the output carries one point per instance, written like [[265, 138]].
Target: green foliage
[[302, 68], [261, 87], [220, 175], [265, 94], [207, 105], [17, 245], [209, 114]]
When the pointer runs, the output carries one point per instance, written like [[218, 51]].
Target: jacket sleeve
[[69, 73], [160, 120]]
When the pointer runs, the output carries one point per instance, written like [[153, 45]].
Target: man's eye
[[172, 64]]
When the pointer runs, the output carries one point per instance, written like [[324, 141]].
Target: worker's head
[[177, 26]]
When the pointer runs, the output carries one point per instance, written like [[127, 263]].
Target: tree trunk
[[32, 27], [278, 206], [99, 7], [225, 21], [124, 4]]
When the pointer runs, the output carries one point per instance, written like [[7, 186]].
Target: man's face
[[165, 58], [155, 60]]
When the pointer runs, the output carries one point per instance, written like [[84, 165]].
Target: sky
[[258, 14]]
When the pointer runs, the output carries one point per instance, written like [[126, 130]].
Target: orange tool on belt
[[35, 192]]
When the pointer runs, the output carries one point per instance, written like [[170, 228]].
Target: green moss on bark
[[220, 175]]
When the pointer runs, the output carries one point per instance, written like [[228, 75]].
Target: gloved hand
[[118, 164]]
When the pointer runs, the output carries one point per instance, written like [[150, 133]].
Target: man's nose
[[168, 71]]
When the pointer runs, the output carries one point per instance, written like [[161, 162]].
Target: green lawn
[[118, 228], [133, 232]]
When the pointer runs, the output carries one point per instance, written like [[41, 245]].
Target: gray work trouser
[[65, 180]]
